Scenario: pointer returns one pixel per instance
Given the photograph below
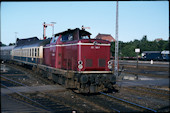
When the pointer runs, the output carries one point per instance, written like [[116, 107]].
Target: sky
[[136, 19]]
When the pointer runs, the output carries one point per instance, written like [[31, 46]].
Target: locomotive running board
[[88, 72], [62, 71]]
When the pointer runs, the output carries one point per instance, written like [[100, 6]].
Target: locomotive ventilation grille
[[89, 62], [102, 62]]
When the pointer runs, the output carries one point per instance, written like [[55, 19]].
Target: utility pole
[[116, 44]]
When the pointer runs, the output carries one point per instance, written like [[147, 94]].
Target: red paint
[[65, 55]]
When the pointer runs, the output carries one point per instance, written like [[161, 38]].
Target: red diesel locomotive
[[70, 58]]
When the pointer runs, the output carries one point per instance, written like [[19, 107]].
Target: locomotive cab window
[[84, 37], [54, 40], [67, 37]]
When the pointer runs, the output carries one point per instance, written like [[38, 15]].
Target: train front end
[[94, 66], [85, 61], [93, 55]]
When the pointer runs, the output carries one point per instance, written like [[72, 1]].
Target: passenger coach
[[29, 50]]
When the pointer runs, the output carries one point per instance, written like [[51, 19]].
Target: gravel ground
[[97, 102]]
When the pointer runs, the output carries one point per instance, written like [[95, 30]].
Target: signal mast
[[116, 44], [44, 29]]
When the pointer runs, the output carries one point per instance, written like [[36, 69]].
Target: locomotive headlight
[[110, 64], [80, 64]]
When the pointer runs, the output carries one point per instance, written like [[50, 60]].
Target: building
[[158, 39], [107, 37]]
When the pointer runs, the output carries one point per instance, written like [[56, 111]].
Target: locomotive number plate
[[95, 47]]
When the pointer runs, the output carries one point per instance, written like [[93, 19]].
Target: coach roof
[[31, 42]]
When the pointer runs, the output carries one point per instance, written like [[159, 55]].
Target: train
[[70, 58], [156, 55]]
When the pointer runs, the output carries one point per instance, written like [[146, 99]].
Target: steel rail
[[153, 92], [25, 97], [13, 80], [46, 108], [128, 102], [35, 101], [116, 110], [156, 89]]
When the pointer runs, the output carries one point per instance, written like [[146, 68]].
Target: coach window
[[28, 53], [35, 52], [38, 52], [32, 52], [23, 53]]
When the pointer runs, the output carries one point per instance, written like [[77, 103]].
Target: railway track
[[154, 70], [110, 103], [65, 98], [150, 97], [151, 91], [144, 109], [29, 72], [38, 99], [83, 103]]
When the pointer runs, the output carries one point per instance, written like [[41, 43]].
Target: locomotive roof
[[31, 42], [83, 32]]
